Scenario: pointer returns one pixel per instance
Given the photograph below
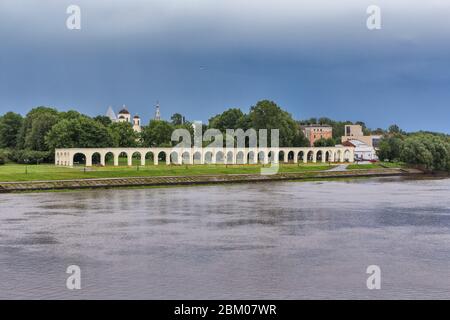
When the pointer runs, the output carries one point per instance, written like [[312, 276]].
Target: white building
[[137, 124], [124, 116], [362, 150], [355, 132], [157, 112]]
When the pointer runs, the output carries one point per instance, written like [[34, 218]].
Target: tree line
[[33, 138], [428, 151]]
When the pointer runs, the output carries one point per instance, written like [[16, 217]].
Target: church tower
[[124, 115], [137, 124], [111, 115], [157, 112]]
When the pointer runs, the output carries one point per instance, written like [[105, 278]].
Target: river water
[[289, 240]]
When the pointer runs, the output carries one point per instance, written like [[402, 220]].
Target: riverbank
[[155, 181], [44, 172]]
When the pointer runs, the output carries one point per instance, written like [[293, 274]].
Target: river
[[287, 240]]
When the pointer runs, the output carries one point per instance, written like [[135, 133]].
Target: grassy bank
[[377, 165], [15, 172], [158, 181]]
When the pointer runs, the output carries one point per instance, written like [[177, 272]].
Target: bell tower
[[157, 112]]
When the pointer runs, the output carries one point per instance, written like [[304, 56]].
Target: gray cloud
[[213, 24]]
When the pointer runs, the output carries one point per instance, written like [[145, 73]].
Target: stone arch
[[220, 157], [79, 158], [186, 157], [301, 156], [347, 155], [261, 156], [197, 158], [123, 158], [319, 155], [291, 156], [240, 157], [174, 157], [136, 159], [150, 157], [281, 155], [96, 158], [329, 156], [251, 158], [208, 157], [310, 156], [230, 156], [337, 156], [109, 158], [162, 156]]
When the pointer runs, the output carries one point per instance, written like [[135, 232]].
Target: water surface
[[288, 240]]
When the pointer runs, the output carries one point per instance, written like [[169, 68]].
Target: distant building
[[362, 150], [137, 124], [316, 132], [355, 132], [124, 116], [157, 112], [111, 115]]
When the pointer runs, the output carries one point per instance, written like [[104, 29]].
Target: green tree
[[394, 129], [5, 155], [81, 132], [229, 119], [157, 134], [428, 151], [389, 147], [322, 142], [378, 131], [71, 114], [123, 134], [104, 120], [31, 156], [415, 152], [10, 125], [177, 119], [268, 115], [35, 127], [300, 140]]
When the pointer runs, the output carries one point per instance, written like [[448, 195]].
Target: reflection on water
[[285, 240]]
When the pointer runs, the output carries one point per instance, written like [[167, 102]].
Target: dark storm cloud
[[315, 58]]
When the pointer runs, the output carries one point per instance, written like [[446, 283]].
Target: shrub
[[30, 156], [5, 155], [430, 152]]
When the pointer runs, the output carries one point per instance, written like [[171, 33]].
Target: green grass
[[376, 165], [393, 164], [16, 172]]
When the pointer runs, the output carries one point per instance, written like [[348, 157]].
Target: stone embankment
[[27, 186]]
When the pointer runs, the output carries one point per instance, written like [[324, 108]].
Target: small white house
[[362, 150]]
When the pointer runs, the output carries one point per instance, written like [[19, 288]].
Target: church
[[125, 116]]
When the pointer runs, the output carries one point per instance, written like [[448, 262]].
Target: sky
[[200, 57]]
